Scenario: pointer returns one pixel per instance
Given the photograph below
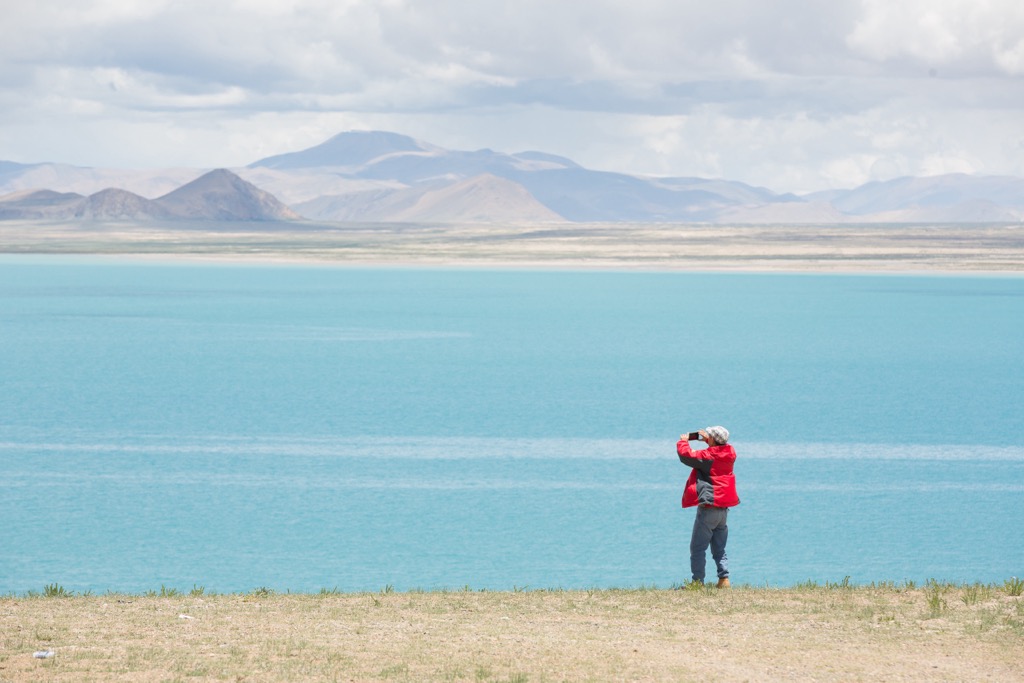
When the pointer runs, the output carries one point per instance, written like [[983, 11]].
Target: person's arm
[[691, 459]]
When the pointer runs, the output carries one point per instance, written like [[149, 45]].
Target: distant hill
[[115, 204], [482, 199], [564, 187], [148, 183], [216, 196], [346, 150], [377, 176], [955, 194], [404, 169], [221, 195], [33, 204]]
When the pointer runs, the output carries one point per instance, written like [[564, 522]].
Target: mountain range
[[218, 195], [375, 176]]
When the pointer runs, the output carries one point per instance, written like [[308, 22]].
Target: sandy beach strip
[[824, 248]]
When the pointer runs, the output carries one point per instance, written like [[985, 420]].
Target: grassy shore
[[835, 632]]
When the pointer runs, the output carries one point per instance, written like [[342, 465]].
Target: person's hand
[[703, 435]]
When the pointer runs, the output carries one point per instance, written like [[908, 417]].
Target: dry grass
[[809, 633]]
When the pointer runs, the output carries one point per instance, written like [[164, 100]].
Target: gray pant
[[709, 527]]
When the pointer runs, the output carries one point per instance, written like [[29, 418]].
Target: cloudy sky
[[794, 95]]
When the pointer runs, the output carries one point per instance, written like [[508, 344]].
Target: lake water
[[305, 427]]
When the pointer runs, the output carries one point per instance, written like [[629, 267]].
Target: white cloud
[[964, 34], [1010, 57], [788, 94]]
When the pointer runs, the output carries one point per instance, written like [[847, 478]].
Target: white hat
[[719, 434]]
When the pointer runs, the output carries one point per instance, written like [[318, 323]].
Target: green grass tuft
[[934, 598], [844, 584], [975, 593], [55, 590]]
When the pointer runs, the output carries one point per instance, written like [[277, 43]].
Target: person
[[711, 488]]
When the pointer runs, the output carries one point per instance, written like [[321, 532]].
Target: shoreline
[[1013, 587], [868, 249], [837, 632]]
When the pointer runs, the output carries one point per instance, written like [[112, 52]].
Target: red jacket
[[711, 482]]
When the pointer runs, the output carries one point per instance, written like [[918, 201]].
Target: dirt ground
[[835, 633]]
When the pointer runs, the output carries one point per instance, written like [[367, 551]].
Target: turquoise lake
[[308, 427]]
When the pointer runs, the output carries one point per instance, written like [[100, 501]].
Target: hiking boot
[[723, 583]]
